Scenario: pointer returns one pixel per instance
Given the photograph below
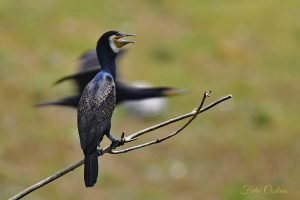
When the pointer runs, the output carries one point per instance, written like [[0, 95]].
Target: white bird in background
[[146, 108]]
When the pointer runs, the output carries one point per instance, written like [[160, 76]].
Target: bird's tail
[[90, 169]]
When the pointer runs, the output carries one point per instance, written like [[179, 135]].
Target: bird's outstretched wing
[[68, 101], [81, 78], [88, 59], [129, 92]]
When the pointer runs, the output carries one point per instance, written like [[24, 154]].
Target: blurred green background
[[246, 48]]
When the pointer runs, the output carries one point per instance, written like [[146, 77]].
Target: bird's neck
[[109, 67], [107, 61]]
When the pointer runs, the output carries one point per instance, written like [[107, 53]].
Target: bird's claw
[[100, 152], [120, 142], [116, 144]]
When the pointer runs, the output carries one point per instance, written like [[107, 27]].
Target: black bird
[[90, 67], [97, 104]]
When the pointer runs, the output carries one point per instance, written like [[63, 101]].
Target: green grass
[[246, 48]]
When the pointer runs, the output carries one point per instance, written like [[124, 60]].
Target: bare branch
[[128, 139], [179, 118], [206, 94]]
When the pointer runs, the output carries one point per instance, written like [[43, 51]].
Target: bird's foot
[[111, 138], [100, 152], [116, 143]]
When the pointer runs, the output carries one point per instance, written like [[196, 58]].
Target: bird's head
[[114, 40]]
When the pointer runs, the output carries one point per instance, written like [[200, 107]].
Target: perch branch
[[206, 94], [176, 119], [128, 139]]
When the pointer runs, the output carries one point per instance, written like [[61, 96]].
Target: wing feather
[[95, 110]]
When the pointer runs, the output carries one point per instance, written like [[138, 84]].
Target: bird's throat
[[108, 64]]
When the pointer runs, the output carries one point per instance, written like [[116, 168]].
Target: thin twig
[[127, 139], [179, 118], [206, 94]]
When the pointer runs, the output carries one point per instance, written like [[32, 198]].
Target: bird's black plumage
[[95, 110], [90, 67], [97, 104]]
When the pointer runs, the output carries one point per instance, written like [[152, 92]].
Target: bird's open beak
[[120, 42]]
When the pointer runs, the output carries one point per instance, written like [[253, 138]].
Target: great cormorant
[[97, 104]]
